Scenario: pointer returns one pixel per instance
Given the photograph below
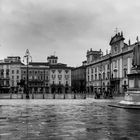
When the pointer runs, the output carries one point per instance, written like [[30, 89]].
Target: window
[[88, 70], [95, 76], [7, 72], [115, 63], [125, 72], [59, 71], [108, 75], [2, 72], [47, 78], [108, 66], [92, 70], [12, 71], [103, 75], [115, 48], [30, 77], [67, 76], [17, 71], [12, 77], [41, 77], [59, 77], [17, 77], [47, 72], [100, 77], [7, 83], [53, 76], [124, 82], [12, 83], [53, 71], [88, 78], [66, 71], [115, 74], [66, 82], [91, 77], [95, 69], [59, 82]]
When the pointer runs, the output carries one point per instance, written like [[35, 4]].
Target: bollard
[[32, 95], [64, 96], [84, 96], [74, 96], [10, 95], [43, 96], [53, 96], [22, 95]]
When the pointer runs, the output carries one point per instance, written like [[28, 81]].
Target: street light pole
[[27, 57]]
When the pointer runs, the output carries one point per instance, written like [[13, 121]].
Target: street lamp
[[27, 57]]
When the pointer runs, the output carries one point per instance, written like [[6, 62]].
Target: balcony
[[5, 78]]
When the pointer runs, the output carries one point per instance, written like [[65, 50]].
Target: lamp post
[[101, 78], [27, 57]]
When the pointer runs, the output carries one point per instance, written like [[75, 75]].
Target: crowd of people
[[104, 94]]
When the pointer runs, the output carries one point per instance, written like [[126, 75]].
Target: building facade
[[60, 76], [109, 72], [10, 73], [48, 77], [79, 79], [38, 77]]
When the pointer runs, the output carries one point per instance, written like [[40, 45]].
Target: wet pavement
[[58, 119]]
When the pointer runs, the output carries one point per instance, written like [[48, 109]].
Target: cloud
[[69, 27]]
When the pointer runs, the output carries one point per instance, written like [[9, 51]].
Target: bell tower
[[52, 59]]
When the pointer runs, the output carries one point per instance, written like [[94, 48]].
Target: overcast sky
[[67, 27]]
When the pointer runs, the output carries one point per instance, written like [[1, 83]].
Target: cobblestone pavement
[[68, 119]]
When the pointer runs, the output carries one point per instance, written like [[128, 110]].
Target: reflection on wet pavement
[[66, 120]]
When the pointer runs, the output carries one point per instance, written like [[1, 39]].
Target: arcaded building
[[60, 76], [48, 77], [38, 77], [109, 72]]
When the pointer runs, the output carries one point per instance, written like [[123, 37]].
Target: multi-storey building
[[38, 77], [109, 72], [79, 79], [10, 73], [48, 76], [60, 76], [42, 76]]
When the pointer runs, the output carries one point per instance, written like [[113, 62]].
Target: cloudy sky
[[67, 27]]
